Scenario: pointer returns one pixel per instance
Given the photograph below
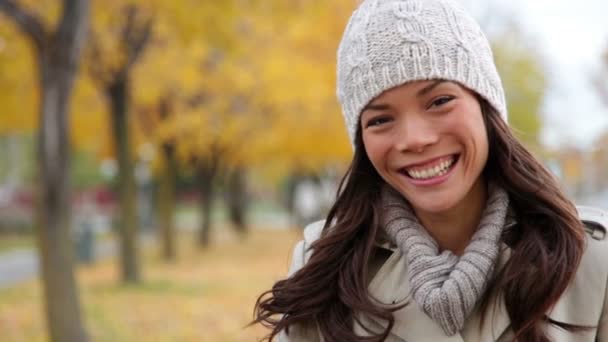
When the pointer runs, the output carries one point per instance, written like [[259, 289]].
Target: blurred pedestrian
[[445, 227]]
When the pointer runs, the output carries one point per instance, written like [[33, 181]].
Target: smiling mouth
[[436, 169]]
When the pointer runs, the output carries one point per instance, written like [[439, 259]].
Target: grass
[[204, 296]]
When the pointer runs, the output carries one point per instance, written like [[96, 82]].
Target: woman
[[445, 227]]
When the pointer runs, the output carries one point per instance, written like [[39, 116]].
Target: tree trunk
[[237, 200], [135, 32], [54, 243], [205, 174], [166, 201], [291, 184], [58, 55], [118, 92]]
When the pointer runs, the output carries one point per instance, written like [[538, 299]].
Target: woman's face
[[428, 140]]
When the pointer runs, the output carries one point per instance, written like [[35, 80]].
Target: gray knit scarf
[[444, 285]]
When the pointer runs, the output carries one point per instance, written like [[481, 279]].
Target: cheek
[[471, 130], [483, 149], [375, 150], [480, 140]]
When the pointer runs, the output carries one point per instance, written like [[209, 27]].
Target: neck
[[452, 229]]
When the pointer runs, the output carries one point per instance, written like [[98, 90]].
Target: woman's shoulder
[[301, 251], [592, 273], [596, 226], [595, 220], [585, 298], [313, 231]]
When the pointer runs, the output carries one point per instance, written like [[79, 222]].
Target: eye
[[377, 121], [441, 101]]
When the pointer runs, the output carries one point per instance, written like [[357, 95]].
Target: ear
[[595, 220]]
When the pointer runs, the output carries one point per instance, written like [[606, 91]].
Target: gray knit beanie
[[388, 43]]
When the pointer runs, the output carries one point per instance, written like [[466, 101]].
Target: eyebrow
[[419, 93]]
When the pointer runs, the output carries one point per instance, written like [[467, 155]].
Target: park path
[[22, 264]]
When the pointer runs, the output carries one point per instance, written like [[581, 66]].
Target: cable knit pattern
[[446, 286], [390, 42]]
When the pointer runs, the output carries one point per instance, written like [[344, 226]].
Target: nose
[[415, 134]]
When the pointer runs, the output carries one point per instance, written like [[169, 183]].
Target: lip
[[429, 161], [433, 181]]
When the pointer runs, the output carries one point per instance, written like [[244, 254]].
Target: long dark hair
[[330, 290]]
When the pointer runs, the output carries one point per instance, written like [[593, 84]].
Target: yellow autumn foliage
[[17, 81], [252, 79]]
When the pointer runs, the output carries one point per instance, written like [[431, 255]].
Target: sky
[[570, 38]]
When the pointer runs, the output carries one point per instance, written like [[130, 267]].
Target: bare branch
[[29, 23], [141, 41], [136, 34], [71, 32], [99, 71]]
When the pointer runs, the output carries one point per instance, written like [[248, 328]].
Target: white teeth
[[435, 171]]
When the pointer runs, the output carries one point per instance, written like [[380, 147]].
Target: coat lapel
[[391, 286]]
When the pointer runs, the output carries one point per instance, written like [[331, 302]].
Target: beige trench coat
[[584, 302]]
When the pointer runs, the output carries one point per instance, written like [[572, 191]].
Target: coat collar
[[391, 286]]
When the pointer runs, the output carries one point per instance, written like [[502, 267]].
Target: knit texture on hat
[[388, 43], [446, 286]]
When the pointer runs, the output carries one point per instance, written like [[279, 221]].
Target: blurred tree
[[255, 94], [191, 69], [114, 53], [237, 199], [303, 132], [524, 81], [167, 187], [57, 54], [150, 117], [245, 91]]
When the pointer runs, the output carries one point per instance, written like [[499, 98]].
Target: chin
[[434, 204]]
